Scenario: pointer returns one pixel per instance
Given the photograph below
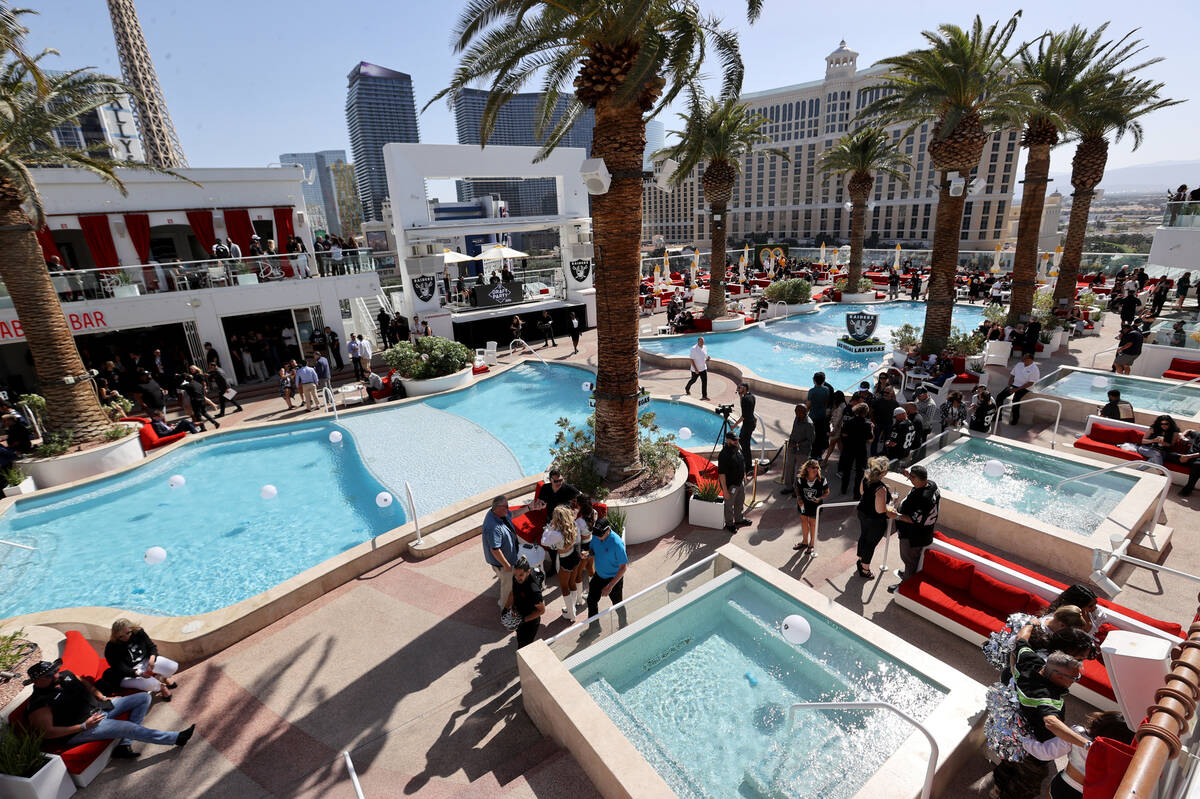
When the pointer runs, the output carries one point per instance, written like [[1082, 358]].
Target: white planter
[[51, 782], [657, 513], [802, 307], [1045, 351], [700, 296], [246, 279], [126, 290], [26, 486], [421, 388], [48, 472], [899, 357], [706, 514], [725, 324], [858, 298]]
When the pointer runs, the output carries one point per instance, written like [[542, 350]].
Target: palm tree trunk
[[619, 138], [1087, 169], [1037, 170], [73, 406], [858, 230], [943, 265], [716, 265]]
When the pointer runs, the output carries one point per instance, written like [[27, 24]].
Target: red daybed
[[1183, 369], [1105, 437], [150, 439], [386, 391], [87, 760]]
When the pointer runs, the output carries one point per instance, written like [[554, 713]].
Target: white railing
[[358, 792], [1162, 496], [331, 402], [1102, 352], [512, 344], [18, 546], [930, 769], [1169, 389], [412, 508], [1010, 405]]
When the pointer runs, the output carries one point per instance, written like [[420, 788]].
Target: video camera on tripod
[[724, 410]]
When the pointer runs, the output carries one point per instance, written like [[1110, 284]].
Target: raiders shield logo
[[861, 325], [424, 286], [580, 269]]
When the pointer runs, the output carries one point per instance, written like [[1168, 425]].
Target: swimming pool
[[225, 543], [1146, 394], [704, 693], [791, 350], [1028, 484]]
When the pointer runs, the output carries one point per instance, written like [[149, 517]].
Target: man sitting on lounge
[[69, 711], [161, 426]]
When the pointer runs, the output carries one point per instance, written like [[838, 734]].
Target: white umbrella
[[451, 257], [822, 262], [896, 262], [498, 251]]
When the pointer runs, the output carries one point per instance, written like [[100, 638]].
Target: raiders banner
[[580, 269], [424, 286], [861, 325]]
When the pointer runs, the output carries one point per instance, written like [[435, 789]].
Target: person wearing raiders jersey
[[918, 516], [811, 490], [983, 412], [901, 438]]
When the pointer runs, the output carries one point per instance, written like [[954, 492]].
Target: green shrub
[[865, 285], [906, 336], [965, 343], [118, 408], [430, 357], [54, 444], [995, 313], [12, 476], [116, 432], [573, 453], [617, 518], [13, 649], [20, 752], [793, 291], [1087, 298]]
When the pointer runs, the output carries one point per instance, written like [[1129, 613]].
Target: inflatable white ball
[[685, 433], [335, 437], [586, 386], [383, 499], [155, 555], [176, 481], [268, 491], [795, 629], [993, 468], [1099, 381]]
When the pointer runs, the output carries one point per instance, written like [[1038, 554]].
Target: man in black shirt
[[1128, 306], [556, 491], [918, 516], [731, 472], [149, 393], [220, 384], [748, 422], [195, 387], [1115, 408], [883, 411], [901, 437], [1128, 348], [335, 347], [856, 437], [69, 712]]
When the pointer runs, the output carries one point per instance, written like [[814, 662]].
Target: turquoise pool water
[[679, 692], [791, 350], [225, 543], [1144, 394], [1028, 484]]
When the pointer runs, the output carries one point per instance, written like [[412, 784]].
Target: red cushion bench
[[1104, 437], [1182, 369], [87, 760], [386, 390], [149, 438]]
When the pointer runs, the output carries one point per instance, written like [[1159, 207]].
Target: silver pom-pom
[[1005, 728], [511, 619], [1000, 643]]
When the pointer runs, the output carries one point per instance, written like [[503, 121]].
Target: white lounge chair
[[489, 354], [997, 352]]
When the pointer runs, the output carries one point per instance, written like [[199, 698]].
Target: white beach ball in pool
[[586, 386], [993, 468], [383, 499], [872, 366], [155, 555], [685, 433], [268, 491], [176, 481], [778, 348], [1099, 381], [795, 629], [335, 437]]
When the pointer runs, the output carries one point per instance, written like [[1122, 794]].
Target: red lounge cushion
[[698, 466], [1109, 434], [152, 440], [959, 364], [1035, 605], [954, 604], [1112, 450], [965, 377], [1175, 374], [476, 370], [1107, 760], [1095, 678], [1184, 365], [1003, 598], [702, 324], [80, 657], [948, 571]]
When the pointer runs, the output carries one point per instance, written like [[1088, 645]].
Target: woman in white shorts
[[134, 661], [559, 537]]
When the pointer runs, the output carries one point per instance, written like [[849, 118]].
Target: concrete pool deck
[[408, 667]]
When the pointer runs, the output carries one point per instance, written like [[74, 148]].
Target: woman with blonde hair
[[134, 662], [874, 510], [559, 537]]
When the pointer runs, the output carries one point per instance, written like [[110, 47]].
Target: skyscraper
[[159, 139], [380, 109], [320, 195], [515, 126], [656, 139]]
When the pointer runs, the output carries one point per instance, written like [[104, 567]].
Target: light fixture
[[977, 187], [957, 186]]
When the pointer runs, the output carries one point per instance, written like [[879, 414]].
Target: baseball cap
[[899, 412]]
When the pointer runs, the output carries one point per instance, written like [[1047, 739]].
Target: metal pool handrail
[[18, 546], [1102, 352], [1010, 405], [777, 303], [1162, 497], [524, 344], [412, 508], [592, 619], [927, 788], [353, 774], [1169, 389], [326, 391], [926, 444]]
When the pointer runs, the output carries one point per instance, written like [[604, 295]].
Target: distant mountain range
[[1157, 177]]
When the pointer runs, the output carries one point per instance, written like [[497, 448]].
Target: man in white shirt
[[352, 350], [1022, 378], [699, 366]]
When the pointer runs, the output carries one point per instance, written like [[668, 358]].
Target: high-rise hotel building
[[779, 200], [380, 109]]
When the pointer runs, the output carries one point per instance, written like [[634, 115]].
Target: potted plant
[[244, 273], [706, 508], [16, 482], [430, 365], [26, 772], [864, 291], [904, 338], [796, 293], [1045, 337]]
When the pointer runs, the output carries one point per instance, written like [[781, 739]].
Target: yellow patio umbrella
[[451, 257], [822, 261], [896, 259], [996, 261]]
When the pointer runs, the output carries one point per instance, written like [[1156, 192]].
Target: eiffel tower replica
[[160, 142]]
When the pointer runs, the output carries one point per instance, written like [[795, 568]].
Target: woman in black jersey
[[873, 513]]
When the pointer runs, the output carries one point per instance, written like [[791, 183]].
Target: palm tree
[[1115, 108], [627, 59], [862, 155], [34, 105], [1067, 69], [719, 134], [962, 82]]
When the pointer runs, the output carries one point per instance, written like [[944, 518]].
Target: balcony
[[1182, 214]]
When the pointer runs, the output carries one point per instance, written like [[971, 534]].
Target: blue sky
[[246, 81]]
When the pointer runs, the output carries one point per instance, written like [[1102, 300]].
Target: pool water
[[704, 695], [1028, 484], [225, 543], [1144, 394]]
